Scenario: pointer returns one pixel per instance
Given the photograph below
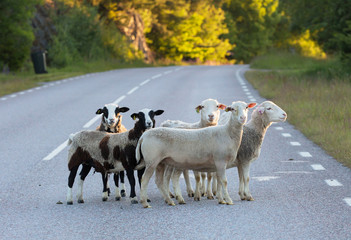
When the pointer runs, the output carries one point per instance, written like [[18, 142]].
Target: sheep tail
[[139, 155]]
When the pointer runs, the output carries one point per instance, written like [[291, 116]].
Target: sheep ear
[[123, 109], [99, 111], [198, 108], [158, 112], [134, 116], [251, 105], [221, 106]]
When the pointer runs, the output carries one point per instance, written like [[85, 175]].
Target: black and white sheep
[[108, 152], [205, 149]]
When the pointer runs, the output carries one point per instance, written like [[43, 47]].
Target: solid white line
[[118, 100], [56, 151], [295, 144], [305, 154], [288, 172], [265, 178], [333, 182], [132, 90], [286, 134], [348, 201], [145, 82], [92, 121], [156, 76], [317, 167], [293, 161]]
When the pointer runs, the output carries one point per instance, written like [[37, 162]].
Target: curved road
[[300, 192]]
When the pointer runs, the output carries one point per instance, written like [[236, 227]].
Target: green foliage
[[252, 24], [16, 33]]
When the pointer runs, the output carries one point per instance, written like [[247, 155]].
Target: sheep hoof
[[123, 193], [196, 199], [230, 203], [148, 206], [133, 201], [222, 202], [117, 198], [171, 195], [182, 202], [70, 203], [250, 199], [104, 199], [191, 195], [171, 204], [148, 200], [210, 197], [80, 201]]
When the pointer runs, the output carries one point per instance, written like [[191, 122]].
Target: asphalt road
[[300, 192]]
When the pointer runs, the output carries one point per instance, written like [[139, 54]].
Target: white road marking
[[348, 201], [145, 82], [279, 128], [156, 76], [292, 172], [3, 99], [92, 121], [56, 151], [37, 88], [305, 154], [21, 93], [295, 144], [317, 167], [252, 99], [333, 182], [265, 178], [132, 90], [293, 161], [245, 90], [248, 93], [167, 72], [286, 134], [13, 95], [118, 100]]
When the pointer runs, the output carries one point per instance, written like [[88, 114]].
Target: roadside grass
[[22, 80], [317, 104]]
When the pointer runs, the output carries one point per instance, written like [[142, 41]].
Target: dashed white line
[[13, 95], [145, 82], [265, 178], [348, 201], [333, 182], [118, 100], [295, 144], [167, 72], [294, 172], [156, 76], [132, 90], [56, 151], [92, 121], [286, 134], [305, 154], [317, 167], [279, 128], [3, 99]]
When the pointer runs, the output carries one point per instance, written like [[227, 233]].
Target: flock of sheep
[[208, 147]]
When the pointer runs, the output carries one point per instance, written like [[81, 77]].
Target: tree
[[16, 33]]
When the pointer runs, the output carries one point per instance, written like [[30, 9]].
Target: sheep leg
[[189, 189], [160, 171], [214, 183], [140, 175], [197, 196], [219, 191], [71, 177], [241, 182], [203, 184], [177, 191], [131, 178], [246, 179], [208, 190], [123, 187], [222, 178], [105, 183], [117, 192], [83, 173], [149, 171], [168, 174]]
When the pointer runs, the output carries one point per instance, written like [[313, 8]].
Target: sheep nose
[[242, 118], [211, 117]]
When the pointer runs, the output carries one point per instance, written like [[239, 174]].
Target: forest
[[171, 32]]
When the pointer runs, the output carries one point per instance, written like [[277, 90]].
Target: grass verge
[[18, 81], [318, 102]]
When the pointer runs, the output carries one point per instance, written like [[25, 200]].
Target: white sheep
[[108, 152], [210, 112], [253, 134], [205, 149]]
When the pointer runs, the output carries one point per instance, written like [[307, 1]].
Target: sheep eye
[[269, 108]]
